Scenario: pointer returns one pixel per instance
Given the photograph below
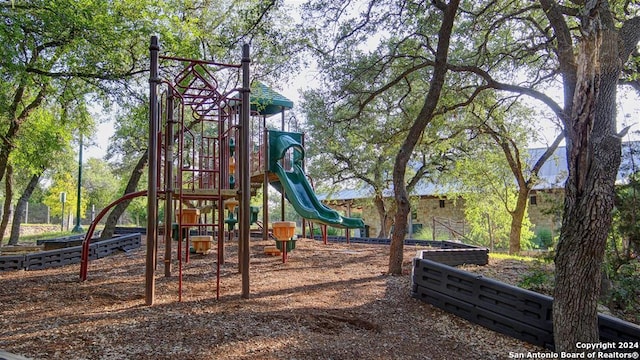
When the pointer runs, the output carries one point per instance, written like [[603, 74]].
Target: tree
[[525, 48], [126, 143], [8, 197], [43, 142], [593, 157], [64, 182], [63, 50], [589, 70], [18, 213], [377, 93], [511, 131], [100, 183], [349, 150], [423, 118], [483, 180], [355, 144]]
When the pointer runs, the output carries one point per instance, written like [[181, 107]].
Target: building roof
[[552, 175]]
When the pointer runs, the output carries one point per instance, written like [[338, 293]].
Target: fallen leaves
[[326, 302]]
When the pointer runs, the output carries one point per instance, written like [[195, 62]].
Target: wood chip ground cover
[[326, 302]]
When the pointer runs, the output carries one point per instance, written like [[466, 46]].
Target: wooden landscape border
[[69, 255], [445, 252], [513, 311]]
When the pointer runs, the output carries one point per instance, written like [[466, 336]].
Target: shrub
[[625, 289], [543, 238], [539, 279]]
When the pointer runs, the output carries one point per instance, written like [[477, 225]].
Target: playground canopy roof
[[267, 101]]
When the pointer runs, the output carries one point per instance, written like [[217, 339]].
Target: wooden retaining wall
[[446, 252], [520, 313], [69, 255]]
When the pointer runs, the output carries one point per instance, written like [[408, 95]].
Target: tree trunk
[[8, 195], [593, 159], [8, 144], [388, 224], [385, 216], [422, 120], [396, 251], [18, 213], [517, 217], [118, 210], [17, 119]]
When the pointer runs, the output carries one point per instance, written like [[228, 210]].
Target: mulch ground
[[326, 302]]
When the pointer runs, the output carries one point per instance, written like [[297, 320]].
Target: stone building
[[430, 208]]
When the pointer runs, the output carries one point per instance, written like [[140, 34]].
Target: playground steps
[[258, 177], [202, 244], [271, 250]]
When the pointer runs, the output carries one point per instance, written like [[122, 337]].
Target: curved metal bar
[[84, 262]]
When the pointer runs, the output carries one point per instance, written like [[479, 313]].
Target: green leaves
[[43, 141]]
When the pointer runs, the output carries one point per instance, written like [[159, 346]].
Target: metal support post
[[245, 194], [168, 204], [152, 199]]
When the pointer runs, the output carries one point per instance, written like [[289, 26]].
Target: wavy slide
[[296, 187]]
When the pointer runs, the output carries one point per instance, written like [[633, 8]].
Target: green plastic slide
[[295, 185]]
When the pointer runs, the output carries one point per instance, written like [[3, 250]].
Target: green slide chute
[[295, 185]]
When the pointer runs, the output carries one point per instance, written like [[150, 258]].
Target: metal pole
[[63, 199], [152, 199], [282, 198], [347, 231], [433, 230], [245, 195], [78, 228], [168, 205], [265, 185]]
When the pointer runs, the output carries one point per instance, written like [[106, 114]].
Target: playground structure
[[210, 150]]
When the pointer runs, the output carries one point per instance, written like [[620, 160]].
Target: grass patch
[[539, 279], [31, 239], [504, 256]]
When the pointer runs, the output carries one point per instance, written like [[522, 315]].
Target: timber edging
[[69, 255], [446, 252], [513, 311]]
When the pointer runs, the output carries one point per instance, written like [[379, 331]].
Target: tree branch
[[439, 4], [546, 155], [84, 75], [491, 83], [563, 35], [34, 104], [629, 36]]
